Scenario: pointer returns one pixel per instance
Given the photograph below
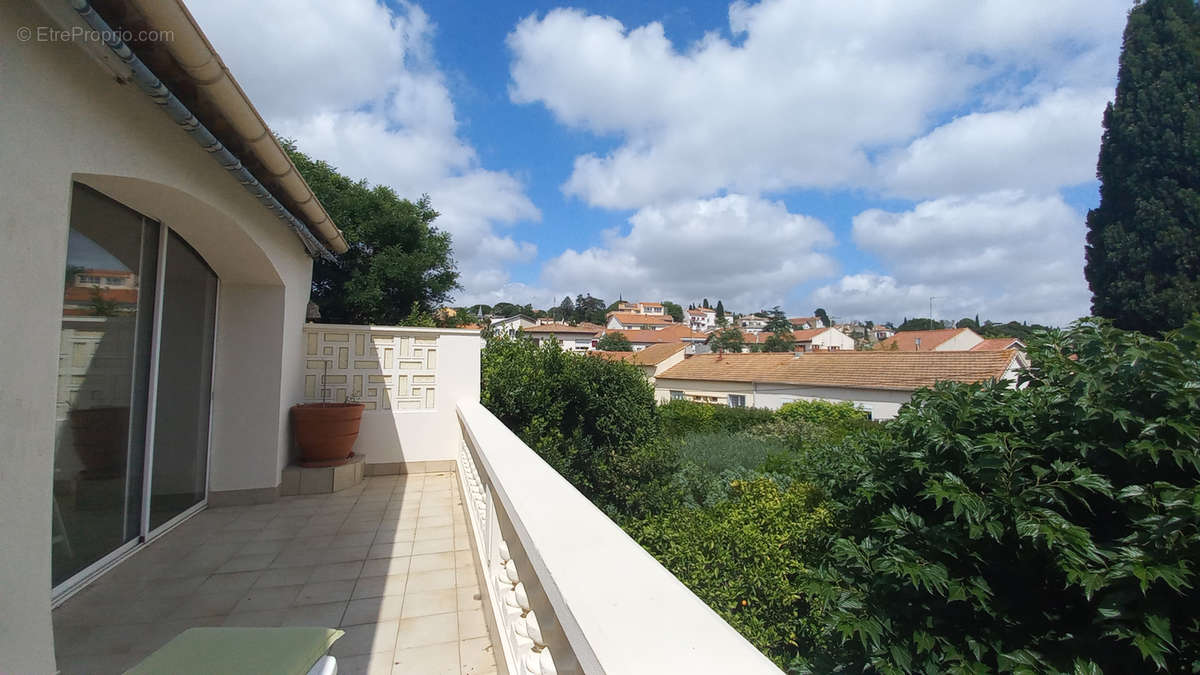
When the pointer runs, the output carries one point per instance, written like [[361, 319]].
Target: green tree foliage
[[920, 324], [614, 342], [967, 322], [588, 309], [673, 310], [821, 413], [1051, 527], [507, 309], [680, 418], [720, 311], [741, 556], [1022, 331], [1143, 242], [565, 310], [823, 316], [779, 341], [727, 340], [396, 257], [705, 304], [591, 419]]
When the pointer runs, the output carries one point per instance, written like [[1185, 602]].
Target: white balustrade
[[602, 602]]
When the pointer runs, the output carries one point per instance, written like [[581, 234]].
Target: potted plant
[[325, 431]]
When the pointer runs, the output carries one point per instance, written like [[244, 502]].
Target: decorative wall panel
[[385, 370]]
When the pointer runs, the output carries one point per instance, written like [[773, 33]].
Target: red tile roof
[[630, 318], [564, 328], [128, 296], [906, 340], [997, 344], [901, 371], [650, 356], [674, 333]]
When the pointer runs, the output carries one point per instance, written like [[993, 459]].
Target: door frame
[[81, 579]]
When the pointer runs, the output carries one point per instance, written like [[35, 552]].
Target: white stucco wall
[[965, 340], [834, 338], [705, 388], [64, 118], [398, 434], [881, 403]]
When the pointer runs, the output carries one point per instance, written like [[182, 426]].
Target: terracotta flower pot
[[326, 432]]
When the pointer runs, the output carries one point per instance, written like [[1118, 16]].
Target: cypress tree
[[1143, 242]]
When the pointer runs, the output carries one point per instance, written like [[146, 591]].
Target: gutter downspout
[[156, 90]]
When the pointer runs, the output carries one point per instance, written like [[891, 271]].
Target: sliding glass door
[[134, 383], [179, 468]]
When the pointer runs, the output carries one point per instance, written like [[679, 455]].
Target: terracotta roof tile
[[564, 328], [650, 356], [674, 333], [629, 318], [996, 344], [903, 371], [906, 340]]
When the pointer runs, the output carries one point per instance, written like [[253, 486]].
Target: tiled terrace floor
[[388, 561]]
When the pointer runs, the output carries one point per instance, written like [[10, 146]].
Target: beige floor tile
[[424, 603], [421, 546], [283, 576], [383, 567], [391, 549], [208, 604], [349, 540], [471, 624], [234, 581], [439, 659], [429, 581], [476, 657], [387, 535], [432, 561], [246, 563], [373, 610], [266, 618], [465, 576], [427, 630], [263, 547], [379, 663], [339, 555], [325, 616], [325, 591], [278, 597], [469, 598], [374, 587], [367, 638], [336, 572]]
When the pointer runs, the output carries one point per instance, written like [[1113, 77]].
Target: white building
[[816, 339], [702, 319], [578, 338], [509, 325], [877, 382], [752, 324]]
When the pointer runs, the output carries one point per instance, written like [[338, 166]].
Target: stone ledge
[[300, 480], [397, 468]]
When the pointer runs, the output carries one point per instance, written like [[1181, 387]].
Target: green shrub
[[680, 418], [743, 556], [709, 462], [1053, 527], [593, 420]]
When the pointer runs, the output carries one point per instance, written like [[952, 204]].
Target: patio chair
[[252, 651]]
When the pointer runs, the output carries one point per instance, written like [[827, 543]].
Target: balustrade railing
[[567, 591]]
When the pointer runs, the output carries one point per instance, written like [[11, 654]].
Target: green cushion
[[229, 651]]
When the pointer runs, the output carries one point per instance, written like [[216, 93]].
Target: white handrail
[[618, 608]]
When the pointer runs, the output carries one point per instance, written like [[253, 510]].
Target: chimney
[[917, 343]]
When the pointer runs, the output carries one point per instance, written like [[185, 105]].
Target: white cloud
[[808, 92], [1004, 255], [747, 251], [1044, 145], [356, 84]]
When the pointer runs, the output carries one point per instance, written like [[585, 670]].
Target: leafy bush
[[680, 418], [820, 413], [593, 420], [614, 342], [1049, 527], [743, 556], [709, 462]]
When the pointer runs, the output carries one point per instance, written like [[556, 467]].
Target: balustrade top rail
[[621, 611]]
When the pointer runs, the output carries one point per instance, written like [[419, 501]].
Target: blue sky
[[857, 156]]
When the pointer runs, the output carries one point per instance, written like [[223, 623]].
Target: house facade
[[876, 382], [578, 338], [702, 319], [752, 324], [510, 325], [637, 321], [155, 376]]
